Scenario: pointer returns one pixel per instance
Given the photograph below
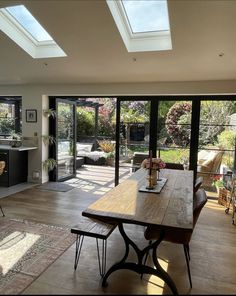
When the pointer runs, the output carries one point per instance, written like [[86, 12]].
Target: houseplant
[[49, 112], [109, 148], [49, 164]]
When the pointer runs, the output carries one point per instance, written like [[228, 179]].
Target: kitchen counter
[[16, 164], [21, 148]]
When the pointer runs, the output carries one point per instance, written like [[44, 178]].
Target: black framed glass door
[[65, 139], [132, 134]]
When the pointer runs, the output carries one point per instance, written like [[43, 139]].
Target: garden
[[217, 127]]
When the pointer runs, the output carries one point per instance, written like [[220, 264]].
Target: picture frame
[[31, 115]]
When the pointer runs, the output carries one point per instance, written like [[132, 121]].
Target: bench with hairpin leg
[[98, 230]]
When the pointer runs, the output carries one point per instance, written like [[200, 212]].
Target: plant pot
[[110, 161]]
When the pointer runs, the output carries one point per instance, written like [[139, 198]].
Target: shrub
[[227, 139], [180, 135]]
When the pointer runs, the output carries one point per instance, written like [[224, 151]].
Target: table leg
[[139, 267]]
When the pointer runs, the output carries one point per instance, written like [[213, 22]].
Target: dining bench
[[92, 228]]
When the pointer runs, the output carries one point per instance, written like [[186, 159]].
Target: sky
[[25, 18], [147, 15]]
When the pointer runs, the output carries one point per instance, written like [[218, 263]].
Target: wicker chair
[[2, 167], [208, 165]]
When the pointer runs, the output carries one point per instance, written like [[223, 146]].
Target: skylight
[[20, 25], [147, 16], [27, 21], [143, 25]]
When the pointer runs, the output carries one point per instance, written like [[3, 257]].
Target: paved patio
[[97, 179]]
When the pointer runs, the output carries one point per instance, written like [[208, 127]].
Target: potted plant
[[109, 148], [49, 164], [217, 182], [48, 139], [49, 112], [16, 140]]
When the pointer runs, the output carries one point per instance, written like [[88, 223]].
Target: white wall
[[36, 97]]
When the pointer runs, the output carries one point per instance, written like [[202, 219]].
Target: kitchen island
[[16, 168]]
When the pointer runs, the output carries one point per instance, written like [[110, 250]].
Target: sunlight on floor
[[97, 179], [155, 282], [14, 247]]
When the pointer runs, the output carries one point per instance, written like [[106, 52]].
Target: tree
[[175, 123]]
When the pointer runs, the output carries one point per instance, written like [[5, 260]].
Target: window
[[10, 116], [147, 16], [19, 24], [143, 25]]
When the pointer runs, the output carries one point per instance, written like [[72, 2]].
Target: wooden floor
[[212, 248]]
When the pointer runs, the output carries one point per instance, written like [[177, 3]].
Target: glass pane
[[217, 134], [65, 139], [134, 137], [146, 16], [29, 23], [174, 131]]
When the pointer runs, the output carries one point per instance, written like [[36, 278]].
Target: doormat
[[26, 250], [55, 186]]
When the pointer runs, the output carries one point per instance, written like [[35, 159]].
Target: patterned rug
[[26, 250]]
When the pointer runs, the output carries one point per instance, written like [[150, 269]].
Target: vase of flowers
[[153, 165]]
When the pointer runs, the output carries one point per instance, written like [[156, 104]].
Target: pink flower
[[157, 163]]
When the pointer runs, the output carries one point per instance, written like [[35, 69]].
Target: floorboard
[[212, 247]]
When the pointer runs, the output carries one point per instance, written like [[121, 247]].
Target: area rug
[[26, 250], [55, 186]]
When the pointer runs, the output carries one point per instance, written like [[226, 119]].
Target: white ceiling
[[86, 31]]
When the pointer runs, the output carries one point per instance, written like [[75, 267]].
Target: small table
[[172, 208]]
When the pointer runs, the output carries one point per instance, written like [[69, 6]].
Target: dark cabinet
[[16, 169]]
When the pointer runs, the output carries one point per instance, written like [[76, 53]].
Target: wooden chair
[[180, 237], [2, 167], [198, 184]]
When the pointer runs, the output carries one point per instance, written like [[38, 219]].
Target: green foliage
[[135, 111], [85, 122], [227, 139], [49, 112], [214, 115], [49, 164], [48, 139], [7, 125]]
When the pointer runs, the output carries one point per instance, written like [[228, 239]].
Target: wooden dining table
[[172, 208]]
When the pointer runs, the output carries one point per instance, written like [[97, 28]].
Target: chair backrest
[[178, 236], [199, 200], [210, 160], [2, 166], [217, 161], [198, 184], [174, 166]]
